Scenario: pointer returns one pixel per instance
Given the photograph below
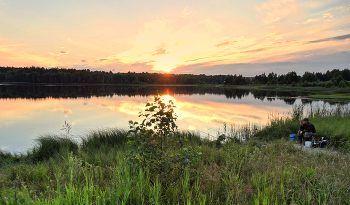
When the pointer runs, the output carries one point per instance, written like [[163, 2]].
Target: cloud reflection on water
[[23, 120]]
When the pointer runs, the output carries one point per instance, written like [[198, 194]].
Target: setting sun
[[163, 68]]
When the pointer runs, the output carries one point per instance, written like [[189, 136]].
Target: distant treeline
[[332, 78], [56, 75]]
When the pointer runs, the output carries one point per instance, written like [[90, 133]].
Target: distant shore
[[321, 93]]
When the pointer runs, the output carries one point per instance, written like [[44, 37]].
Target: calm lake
[[27, 112]]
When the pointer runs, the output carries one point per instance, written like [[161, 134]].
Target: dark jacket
[[309, 127]]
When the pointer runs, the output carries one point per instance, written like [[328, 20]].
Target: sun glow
[[167, 98], [164, 68]]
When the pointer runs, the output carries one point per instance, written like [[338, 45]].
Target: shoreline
[[316, 93]]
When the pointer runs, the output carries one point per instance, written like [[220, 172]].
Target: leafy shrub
[[338, 80], [156, 147], [342, 84], [329, 84], [319, 84], [306, 84]]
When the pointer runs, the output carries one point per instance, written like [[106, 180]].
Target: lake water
[[27, 112]]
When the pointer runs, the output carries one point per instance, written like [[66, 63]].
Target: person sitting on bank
[[307, 130]]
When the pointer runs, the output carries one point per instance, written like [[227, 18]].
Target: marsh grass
[[248, 173], [50, 146], [104, 137], [241, 133]]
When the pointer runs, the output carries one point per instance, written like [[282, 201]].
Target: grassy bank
[[331, 96], [331, 123], [310, 92], [58, 171]]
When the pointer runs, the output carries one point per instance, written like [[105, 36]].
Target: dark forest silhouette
[[56, 75], [332, 78]]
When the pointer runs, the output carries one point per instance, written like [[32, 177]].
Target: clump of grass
[[106, 137], [50, 146]]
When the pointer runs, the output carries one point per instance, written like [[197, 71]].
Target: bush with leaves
[[342, 84], [156, 147], [329, 84]]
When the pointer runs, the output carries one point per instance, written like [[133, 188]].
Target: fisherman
[[307, 130]]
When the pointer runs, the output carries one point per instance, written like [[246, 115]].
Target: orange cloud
[[190, 39], [328, 17], [20, 55], [60, 53], [186, 12], [275, 10], [160, 51], [225, 43], [310, 21]]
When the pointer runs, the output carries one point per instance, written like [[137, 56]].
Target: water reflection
[[29, 111], [39, 92]]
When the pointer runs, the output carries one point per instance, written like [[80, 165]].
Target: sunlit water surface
[[23, 118]]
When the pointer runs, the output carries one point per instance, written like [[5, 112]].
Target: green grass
[[312, 92], [98, 173], [331, 123], [331, 96]]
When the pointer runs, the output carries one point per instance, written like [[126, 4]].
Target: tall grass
[[51, 145], [249, 173], [104, 137], [241, 133], [330, 122]]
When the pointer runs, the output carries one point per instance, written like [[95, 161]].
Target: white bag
[[307, 143]]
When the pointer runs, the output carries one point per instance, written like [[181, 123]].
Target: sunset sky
[[210, 37]]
